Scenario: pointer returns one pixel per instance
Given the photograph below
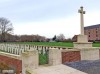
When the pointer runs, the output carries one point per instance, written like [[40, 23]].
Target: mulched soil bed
[[90, 67]]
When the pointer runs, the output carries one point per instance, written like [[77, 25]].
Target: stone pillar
[[82, 40], [29, 60], [90, 54], [55, 57], [82, 19]]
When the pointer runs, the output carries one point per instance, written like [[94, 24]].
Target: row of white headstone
[[20, 48]]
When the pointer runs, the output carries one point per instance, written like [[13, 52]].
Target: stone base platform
[[82, 41], [82, 44], [90, 53]]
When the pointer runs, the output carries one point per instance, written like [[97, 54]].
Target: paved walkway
[[58, 69]]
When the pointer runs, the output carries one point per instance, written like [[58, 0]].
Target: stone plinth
[[90, 53], [82, 41], [82, 45], [55, 56], [29, 60], [82, 38]]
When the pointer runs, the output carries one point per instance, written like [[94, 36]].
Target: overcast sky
[[49, 17]]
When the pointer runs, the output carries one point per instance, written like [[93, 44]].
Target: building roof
[[91, 27]]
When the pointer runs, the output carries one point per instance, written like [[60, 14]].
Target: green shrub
[[43, 59]]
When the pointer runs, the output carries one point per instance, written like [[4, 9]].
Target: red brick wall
[[11, 62], [71, 56], [93, 34]]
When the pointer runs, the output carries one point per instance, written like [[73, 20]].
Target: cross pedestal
[[82, 40]]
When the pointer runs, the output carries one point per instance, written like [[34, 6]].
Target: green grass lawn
[[43, 59], [62, 44], [97, 44]]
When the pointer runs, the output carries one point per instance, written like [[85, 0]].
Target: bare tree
[[5, 28], [61, 37]]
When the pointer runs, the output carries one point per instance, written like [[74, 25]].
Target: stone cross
[[81, 19]]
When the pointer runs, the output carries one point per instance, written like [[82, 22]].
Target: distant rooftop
[[91, 27]]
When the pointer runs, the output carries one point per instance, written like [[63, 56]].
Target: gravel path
[[90, 67]]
